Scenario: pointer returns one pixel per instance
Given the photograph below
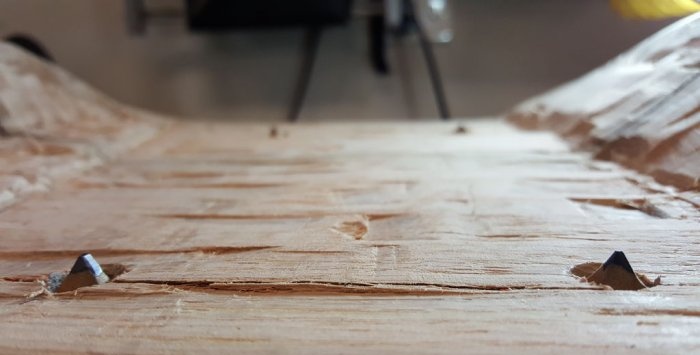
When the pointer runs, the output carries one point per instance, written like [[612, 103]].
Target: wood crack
[[642, 205], [649, 312], [307, 287], [213, 216], [48, 254]]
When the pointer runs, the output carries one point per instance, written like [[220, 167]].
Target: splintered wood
[[324, 238], [642, 109]]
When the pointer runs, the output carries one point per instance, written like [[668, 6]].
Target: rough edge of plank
[[54, 126], [641, 109]]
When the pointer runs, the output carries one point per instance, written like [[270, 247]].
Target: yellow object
[[654, 9]]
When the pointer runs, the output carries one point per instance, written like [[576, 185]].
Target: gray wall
[[504, 51]]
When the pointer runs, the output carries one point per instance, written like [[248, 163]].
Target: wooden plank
[[146, 319], [327, 238]]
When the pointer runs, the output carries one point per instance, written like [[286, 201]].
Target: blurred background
[[502, 51]]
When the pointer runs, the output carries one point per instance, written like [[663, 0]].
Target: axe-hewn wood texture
[[642, 109], [324, 238]]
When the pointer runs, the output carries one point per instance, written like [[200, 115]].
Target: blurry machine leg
[[312, 39], [377, 43], [135, 16], [431, 19], [435, 78]]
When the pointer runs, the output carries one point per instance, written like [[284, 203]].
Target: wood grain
[[641, 109], [330, 238]]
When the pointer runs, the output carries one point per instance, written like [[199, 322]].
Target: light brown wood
[[326, 238], [641, 109]]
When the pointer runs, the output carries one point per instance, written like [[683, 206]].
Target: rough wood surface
[[52, 125], [641, 109], [331, 238]]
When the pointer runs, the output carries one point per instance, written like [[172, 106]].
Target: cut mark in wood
[[50, 254], [133, 288], [380, 216], [3, 115], [510, 236], [304, 287], [313, 252], [48, 149], [385, 245], [642, 205], [197, 216], [186, 175], [498, 270], [213, 216], [223, 185], [648, 312]]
